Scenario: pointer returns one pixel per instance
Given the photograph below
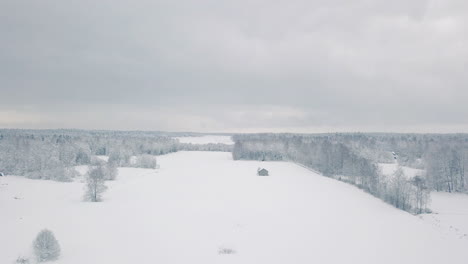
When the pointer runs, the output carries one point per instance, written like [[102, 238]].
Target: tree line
[[51, 154]]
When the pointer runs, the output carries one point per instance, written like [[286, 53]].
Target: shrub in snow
[[226, 251], [110, 171], [46, 247], [95, 184], [145, 161], [22, 260], [119, 158], [66, 174], [57, 174]]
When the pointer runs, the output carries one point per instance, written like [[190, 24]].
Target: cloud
[[14, 119], [238, 66]]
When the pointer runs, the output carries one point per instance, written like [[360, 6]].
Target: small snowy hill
[[200, 202]]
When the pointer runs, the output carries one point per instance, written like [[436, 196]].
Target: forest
[[50, 154]]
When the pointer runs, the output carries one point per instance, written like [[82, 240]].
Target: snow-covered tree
[[400, 191], [95, 184], [145, 161], [21, 260], [111, 171], [421, 194], [46, 247]]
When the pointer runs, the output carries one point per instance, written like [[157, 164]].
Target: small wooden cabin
[[262, 172]]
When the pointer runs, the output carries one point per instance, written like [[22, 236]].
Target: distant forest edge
[[48, 154], [353, 158], [349, 157]]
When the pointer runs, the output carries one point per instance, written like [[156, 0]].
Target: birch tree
[[95, 184]]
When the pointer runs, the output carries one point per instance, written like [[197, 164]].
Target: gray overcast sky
[[235, 66]]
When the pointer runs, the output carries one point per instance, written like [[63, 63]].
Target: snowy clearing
[[102, 157], [203, 207], [388, 169], [207, 139]]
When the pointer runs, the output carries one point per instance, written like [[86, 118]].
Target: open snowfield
[[450, 213], [207, 139], [199, 202]]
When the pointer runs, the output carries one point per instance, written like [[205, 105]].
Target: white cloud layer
[[235, 66]]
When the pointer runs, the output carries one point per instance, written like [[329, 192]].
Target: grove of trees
[[51, 154]]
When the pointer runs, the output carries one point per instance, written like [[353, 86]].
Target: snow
[[388, 169], [207, 139], [450, 213], [102, 157], [201, 203], [82, 169]]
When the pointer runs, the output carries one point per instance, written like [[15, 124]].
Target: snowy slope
[[198, 202], [450, 213]]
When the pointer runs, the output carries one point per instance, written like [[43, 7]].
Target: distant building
[[262, 172]]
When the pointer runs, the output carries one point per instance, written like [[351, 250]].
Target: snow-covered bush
[[120, 158], [226, 251], [66, 174], [145, 161], [110, 171], [21, 260], [63, 174], [46, 247]]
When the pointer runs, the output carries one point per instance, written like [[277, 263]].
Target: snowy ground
[[199, 202], [389, 169], [207, 139], [450, 213]]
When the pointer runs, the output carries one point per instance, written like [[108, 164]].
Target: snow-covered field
[[450, 213], [207, 139], [200, 202]]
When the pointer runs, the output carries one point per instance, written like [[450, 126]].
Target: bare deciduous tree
[[21, 260], [421, 194]]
